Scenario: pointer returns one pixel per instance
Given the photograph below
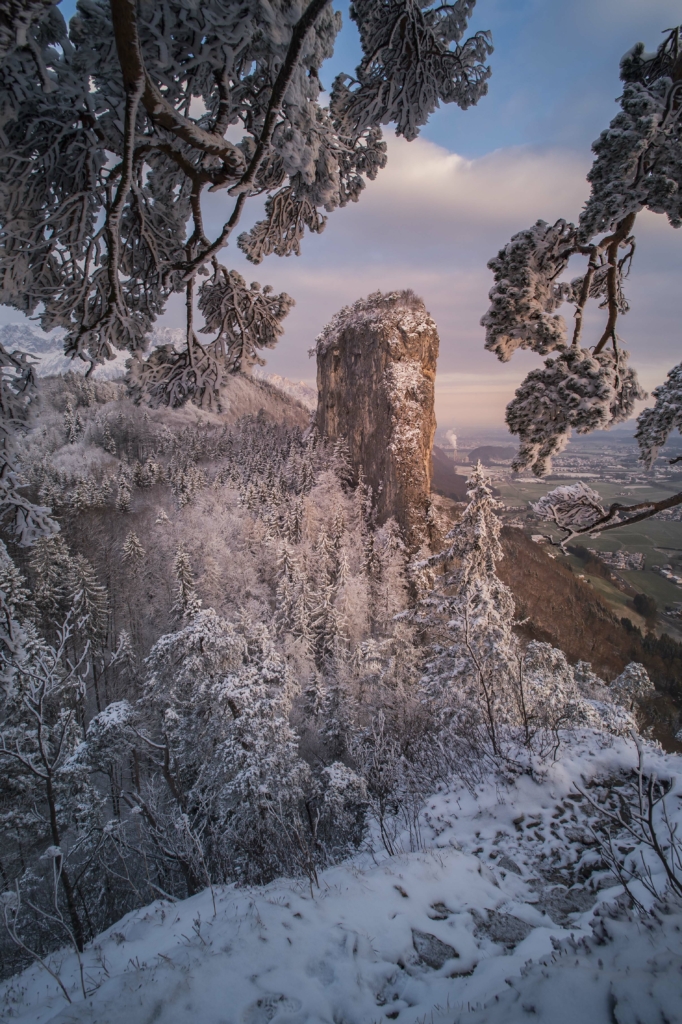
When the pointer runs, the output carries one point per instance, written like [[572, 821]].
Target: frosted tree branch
[[577, 510], [105, 156]]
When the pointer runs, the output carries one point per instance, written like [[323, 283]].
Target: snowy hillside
[[505, 905], [299, 390]]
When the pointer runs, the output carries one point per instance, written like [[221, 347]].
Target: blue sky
[[448, 201]]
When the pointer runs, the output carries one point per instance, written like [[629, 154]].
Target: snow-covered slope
[[504, 875], [299, 390]]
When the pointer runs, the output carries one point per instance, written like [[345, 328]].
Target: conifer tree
[[186, 601], [123, 496], [15, 601], [287, 576], [108, 441], [481, 680], [326, 626], [50, 565], [73, 423], [133, 553], [89, 601]]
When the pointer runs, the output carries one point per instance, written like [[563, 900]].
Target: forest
[[257, 738]]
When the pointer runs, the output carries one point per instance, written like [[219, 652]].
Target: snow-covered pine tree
[[16, 603], [133, 553], [287, 577], [187, 602], [89, 602], [326, 626], [485, 687], [107, 440], [123, 496], [73, 423], [87, 186], [26, 521], [470, 676], [338, 711], [293, 523], [638, 166], [49, 566]]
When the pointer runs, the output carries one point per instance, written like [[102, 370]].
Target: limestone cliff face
[[376, 367]]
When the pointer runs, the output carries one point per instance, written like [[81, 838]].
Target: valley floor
[[502, 912]]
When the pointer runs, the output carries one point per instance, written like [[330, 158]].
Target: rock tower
[[376, 367]]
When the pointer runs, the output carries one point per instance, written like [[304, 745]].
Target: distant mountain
[[49, 353], [21, 337], [51, 361], [489, 454]]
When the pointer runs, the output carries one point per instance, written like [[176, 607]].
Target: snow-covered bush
[[632, 686]]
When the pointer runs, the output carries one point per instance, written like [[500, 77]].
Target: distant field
[[660, 542]]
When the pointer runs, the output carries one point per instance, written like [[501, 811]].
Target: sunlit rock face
[[376, 368]]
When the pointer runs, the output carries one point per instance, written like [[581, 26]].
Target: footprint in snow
[[268, 1007]]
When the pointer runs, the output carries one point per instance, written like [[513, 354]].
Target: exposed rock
[[376, 367], [502, 928], [560, 902], [431, 950]]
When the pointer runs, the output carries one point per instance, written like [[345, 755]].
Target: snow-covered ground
[[504, 905]]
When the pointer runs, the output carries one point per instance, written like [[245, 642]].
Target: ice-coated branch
[[575, 390], [655, 425], [525, 294], [282, 83], [107, 151], [577, 510], [620, 237], [409, 67], [569, 507], [638, 166]]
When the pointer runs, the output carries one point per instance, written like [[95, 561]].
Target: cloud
[[508, 188], [431, 221]]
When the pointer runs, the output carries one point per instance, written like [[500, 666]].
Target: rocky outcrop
[[376, 367]]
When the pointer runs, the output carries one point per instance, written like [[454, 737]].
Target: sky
[[447, 202]]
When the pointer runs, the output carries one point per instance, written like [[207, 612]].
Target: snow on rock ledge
[[376, 367]]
